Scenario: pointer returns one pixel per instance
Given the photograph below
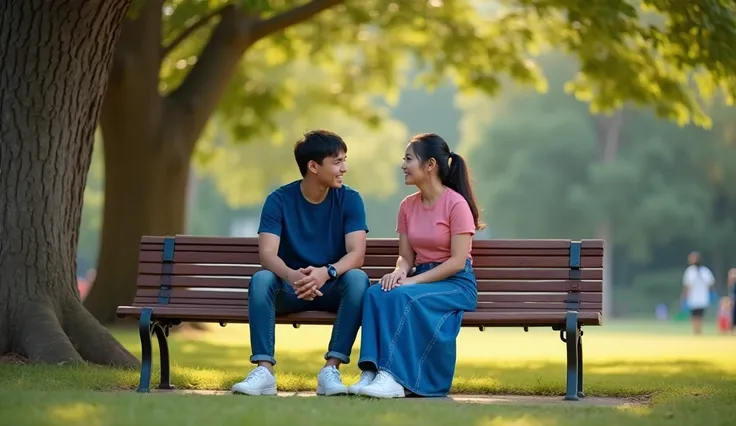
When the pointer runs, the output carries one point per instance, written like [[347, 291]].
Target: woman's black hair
[[451, 168]]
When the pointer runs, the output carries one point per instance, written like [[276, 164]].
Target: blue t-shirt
[[312, 234]]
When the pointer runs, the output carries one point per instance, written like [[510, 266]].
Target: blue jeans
[[410, 331], [270, 295]]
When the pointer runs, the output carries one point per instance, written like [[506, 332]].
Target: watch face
[[332, 271]]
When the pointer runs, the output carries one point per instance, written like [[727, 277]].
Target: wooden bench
[[521, 283]]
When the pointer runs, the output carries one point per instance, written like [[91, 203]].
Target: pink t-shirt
[[430, 228]]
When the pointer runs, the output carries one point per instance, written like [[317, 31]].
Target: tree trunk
[[55, 63], [609, 142]]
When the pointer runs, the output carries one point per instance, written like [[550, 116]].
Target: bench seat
[[194, 313], [521, 283]]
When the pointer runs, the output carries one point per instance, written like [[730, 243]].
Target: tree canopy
[[657, 52]]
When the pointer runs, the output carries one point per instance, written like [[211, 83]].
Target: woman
[[411, 321]]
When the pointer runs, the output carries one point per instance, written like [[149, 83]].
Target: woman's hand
[[394, 279]]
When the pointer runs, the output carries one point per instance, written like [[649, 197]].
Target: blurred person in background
[[724, 314], [697, 283], [731, 294]]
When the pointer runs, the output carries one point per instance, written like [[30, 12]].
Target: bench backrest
[[513, 275]]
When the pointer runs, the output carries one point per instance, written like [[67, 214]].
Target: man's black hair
[[316, 145]]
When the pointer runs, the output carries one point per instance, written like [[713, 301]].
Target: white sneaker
[[260, 381], [384, 386], [329, 382], [366, 378]]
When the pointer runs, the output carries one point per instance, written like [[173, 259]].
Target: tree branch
[[292, 17], [190, 106], [165, 50]]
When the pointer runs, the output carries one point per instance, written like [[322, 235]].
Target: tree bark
[[149, 139], [609, 142], [55, 61]]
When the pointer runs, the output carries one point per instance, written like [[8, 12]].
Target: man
[[697, 283], [312, 237]]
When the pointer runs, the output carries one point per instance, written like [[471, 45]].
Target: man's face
[[332, 169]]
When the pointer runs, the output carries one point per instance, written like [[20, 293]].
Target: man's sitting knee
[[355, 283], [263, 279], [356, 277], [263, 275]]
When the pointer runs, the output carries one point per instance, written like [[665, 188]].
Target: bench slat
[[153, 301], [238, 298], [203, 248], [377, 251], [195, 294], [154, 281], [191, 303], [241, 296], [484, 318], [502, 243], [191, 257], [523, 306], [184, 281], [543, 285], [537, 297], [374, 272], [382, 242], [538, 318]]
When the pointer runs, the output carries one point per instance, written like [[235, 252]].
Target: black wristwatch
[[332, 272]]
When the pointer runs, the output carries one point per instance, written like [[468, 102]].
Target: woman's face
[[414, 172]]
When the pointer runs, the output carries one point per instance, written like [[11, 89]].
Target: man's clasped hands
[[308, 281]]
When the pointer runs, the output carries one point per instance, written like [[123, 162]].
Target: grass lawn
[[691, 380]]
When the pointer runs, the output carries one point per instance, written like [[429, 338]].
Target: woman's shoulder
[[412, 198], [453, 198]]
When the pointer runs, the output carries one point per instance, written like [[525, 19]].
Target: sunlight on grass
[[663, 368], [200, 377], [391, 419], [639, 411], [522, 421], [77, 413]]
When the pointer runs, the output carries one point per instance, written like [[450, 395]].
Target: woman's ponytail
[[458, 179]]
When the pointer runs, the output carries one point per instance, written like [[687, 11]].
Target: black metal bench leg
[[581, 394], [572, 339], [163, 346], [144, 330]]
